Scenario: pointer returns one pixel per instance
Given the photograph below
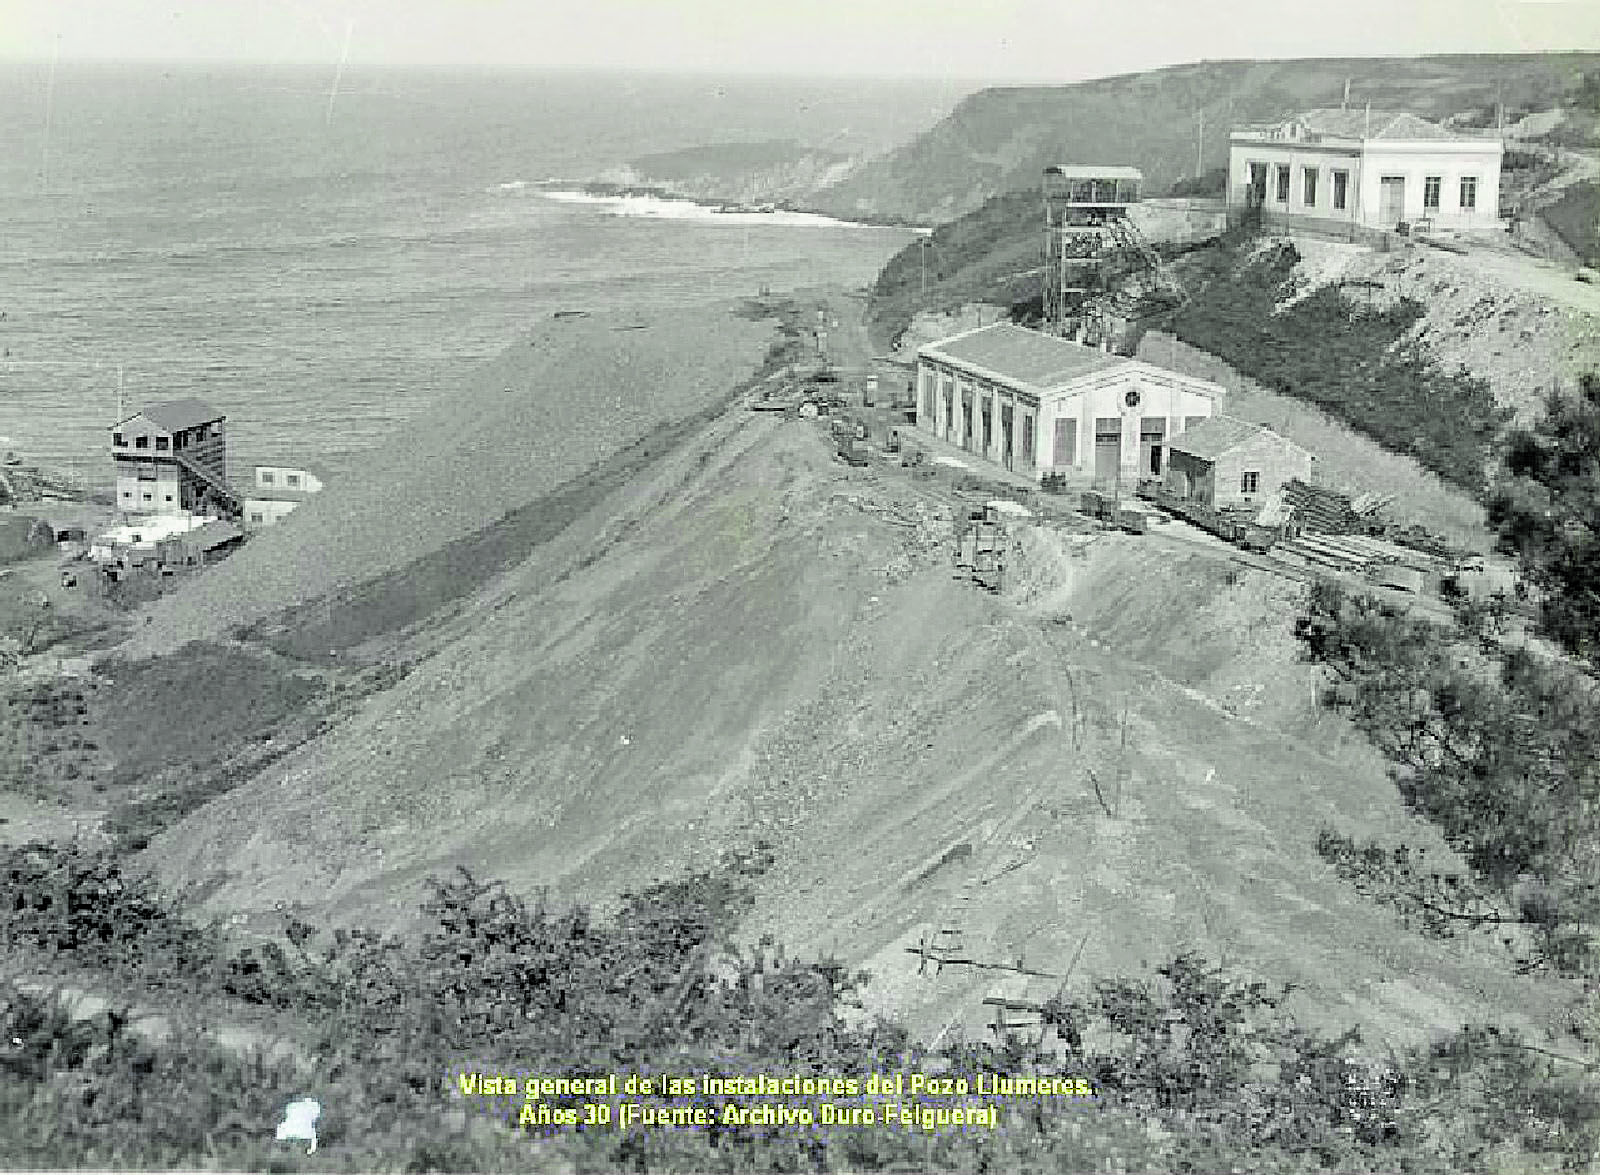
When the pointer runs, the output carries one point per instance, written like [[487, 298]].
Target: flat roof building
[[1341, 169]]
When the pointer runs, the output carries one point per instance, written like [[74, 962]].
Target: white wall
[[1298, 156], [1416, 161], [1448, 161], [270, 510], [277, 477], [1161, 394]]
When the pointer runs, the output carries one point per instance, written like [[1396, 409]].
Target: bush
[[1210, 183], [1194, 1070]]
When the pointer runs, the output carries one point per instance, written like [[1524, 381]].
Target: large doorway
[[1391, 199], [1066, 447], [1107, 448], [1006, 435]]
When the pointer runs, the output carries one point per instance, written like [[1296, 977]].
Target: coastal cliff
[[1170, 122]]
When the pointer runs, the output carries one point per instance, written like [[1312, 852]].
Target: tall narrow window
[[1469, 192], [1310, 193], [1258, 180], [1341, 189], [1430, 193], [1283, 183], [1250, 483]]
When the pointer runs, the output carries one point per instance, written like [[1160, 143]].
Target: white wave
[[656, 208]]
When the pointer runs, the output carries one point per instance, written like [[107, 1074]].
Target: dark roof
[[1215, 435], [1023, 356], [173, 415]]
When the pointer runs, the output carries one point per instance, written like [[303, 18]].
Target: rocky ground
[[740, 638], [751, 640], [1520, 323]]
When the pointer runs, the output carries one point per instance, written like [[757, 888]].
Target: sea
[[320, 253]]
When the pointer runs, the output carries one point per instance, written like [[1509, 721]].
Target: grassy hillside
[[991, 254], [999, 139]]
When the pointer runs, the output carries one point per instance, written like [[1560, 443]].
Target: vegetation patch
[[1576, 220], [1351, 361], [992, 254], [1192, 1069], [23, 536]]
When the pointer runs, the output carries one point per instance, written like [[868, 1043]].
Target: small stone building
[[1223, 462]]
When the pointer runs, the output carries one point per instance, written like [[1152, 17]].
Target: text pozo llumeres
[[899, 1099]]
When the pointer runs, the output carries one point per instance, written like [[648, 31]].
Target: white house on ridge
[[1337, 168]]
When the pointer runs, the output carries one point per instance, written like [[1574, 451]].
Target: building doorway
[[1391, 199], [1065, 455], [1152, 432], [1107, 447], [1006, 435]]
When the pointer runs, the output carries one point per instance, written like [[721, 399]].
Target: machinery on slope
[[1101, 274]]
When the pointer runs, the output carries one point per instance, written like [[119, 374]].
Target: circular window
[[1131, 399]]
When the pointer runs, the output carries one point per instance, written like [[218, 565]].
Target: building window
[[118, 439], [169, 497], [1258, 180], [1283, 183], [1341, 189], [1310, 193], [127, 493], [1027, 437], [1430, 193], [141, 442], [1250, 483], [146, 497], [254, 517], [161, 443], [266, 478], [1469, 192], [293, 479]]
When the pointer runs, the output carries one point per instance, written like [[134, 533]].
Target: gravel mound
[[568, 395]]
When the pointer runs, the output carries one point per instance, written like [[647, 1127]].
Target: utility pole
[[1200, 151]]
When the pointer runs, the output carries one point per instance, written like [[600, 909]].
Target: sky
[[989, 40]]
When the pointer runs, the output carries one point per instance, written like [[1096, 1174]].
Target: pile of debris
[[1328, 511]]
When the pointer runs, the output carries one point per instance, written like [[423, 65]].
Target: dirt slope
[[753, 640], [566, 396], [1519, 323]]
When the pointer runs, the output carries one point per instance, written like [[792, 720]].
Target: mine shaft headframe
[[1082, 204]]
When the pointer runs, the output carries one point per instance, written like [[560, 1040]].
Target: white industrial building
[[1337, 169], [1038, 403], [277, 491]]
